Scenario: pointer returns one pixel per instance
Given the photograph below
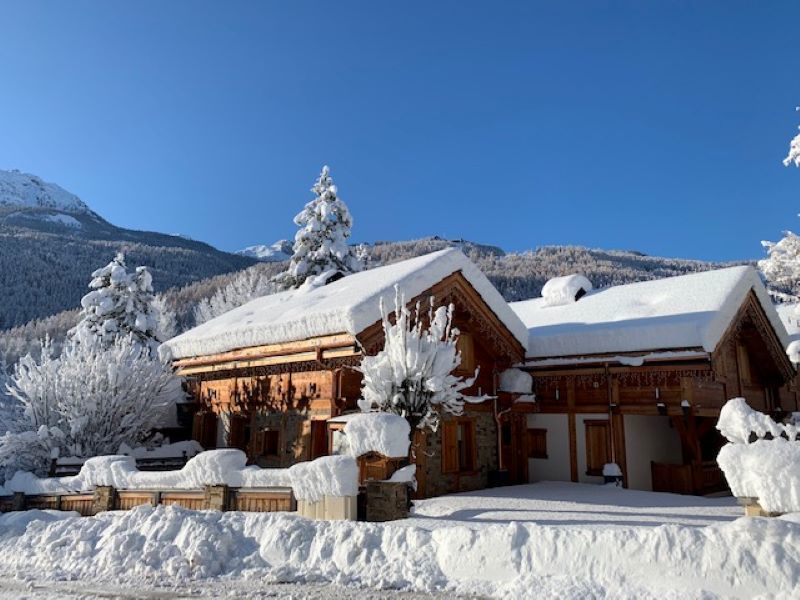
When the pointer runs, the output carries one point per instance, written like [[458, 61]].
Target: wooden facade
[[672, 400], [274, 401]]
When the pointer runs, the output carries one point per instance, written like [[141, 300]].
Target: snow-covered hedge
[[384, 433], [325, 476], [766, 469]]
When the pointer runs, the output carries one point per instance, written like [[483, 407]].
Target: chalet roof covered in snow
[[348, 305], [690, 311]]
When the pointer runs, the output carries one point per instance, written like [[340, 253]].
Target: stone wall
[[438, 483]]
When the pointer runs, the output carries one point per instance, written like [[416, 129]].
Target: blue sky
[[655, 126]]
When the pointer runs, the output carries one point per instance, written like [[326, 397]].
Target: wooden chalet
[[636, 375], [274, 377]]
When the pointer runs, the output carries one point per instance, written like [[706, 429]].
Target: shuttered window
[[598, 446], [459, 451], [537, 443]]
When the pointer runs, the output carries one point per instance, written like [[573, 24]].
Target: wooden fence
[[104, 498], [696, 478]]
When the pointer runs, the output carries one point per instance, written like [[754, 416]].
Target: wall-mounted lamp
[[558, 395], [658, 394], [662, 409]]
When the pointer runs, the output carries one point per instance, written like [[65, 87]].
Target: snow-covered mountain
[[280, 250], [51, 241], [24, 191]]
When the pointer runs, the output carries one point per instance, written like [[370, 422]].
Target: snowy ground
[[574, 505], [544, 540], [12, 589]]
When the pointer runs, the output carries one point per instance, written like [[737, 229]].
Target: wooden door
[[514, 435], [598, 446], [319, 439]]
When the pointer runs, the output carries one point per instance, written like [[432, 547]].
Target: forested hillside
[[517, 275], [50, 242]]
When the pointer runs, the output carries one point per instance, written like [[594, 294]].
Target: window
[[459, 453], [268, 442], [466, 347], [598, 446], [537, 443]]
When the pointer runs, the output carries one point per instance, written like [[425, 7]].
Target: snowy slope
[[22, 190]]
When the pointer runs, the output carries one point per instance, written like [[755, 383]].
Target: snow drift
[[766, 469], [380, 432], [325, 476], [167, 545]]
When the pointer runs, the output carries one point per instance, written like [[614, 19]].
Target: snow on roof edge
[[414, 275], [548, 341]]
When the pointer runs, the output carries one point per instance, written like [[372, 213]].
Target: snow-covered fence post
[[216, 497], [103, 499]]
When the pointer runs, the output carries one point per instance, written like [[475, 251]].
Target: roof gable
[[690, 311], [348, 305]]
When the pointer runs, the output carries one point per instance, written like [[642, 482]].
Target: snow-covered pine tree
[[120, 303], [793, 158], [321, 243], [413, 375]]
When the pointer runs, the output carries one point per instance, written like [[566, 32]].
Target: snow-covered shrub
[[321, 243], [245, 286], [413, 375], [85, 402], [768, 468], [120, 304]]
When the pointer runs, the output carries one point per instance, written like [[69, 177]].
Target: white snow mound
[[565, 290], [169, 546], [325, 476], [380, 432]]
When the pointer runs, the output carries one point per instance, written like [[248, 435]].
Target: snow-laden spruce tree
[[106, 386], [321, 245], [413, 375], [245, 286], [119, 303], [86, 402]]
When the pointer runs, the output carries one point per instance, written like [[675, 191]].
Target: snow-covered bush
[[321, 243], [245, 286], [85, 402], [120, 303], [768, 468], [413, 375]]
